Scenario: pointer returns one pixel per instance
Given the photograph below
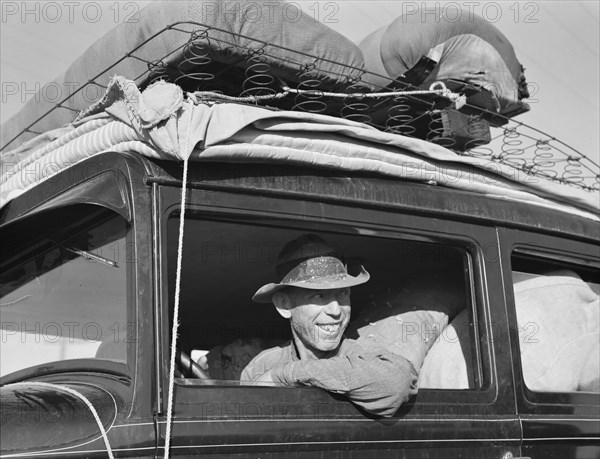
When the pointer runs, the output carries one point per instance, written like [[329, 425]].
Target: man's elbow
[[404, 382], [394, 389], [388, 406], [405, 377]]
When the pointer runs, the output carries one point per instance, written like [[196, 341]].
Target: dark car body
[[499, 418]]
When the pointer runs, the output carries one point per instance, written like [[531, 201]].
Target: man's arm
[[370, 376], [263, 362]]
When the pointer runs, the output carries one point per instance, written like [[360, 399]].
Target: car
[[88, 284], [117, 257]]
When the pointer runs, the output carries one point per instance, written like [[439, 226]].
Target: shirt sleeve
[[264, 361], [371, 377], [254, 370], [246, 374]]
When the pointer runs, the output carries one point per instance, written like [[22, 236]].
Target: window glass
[[417, 301], [558, 310], [63, 295]]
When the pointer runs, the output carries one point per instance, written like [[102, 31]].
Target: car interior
[[225, 262]]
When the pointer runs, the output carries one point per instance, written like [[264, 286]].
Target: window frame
[[493, 400], [96, 216], [555, 249]]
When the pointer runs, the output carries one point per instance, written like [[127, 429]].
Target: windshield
[[64, 294]]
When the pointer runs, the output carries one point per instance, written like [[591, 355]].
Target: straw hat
[[309, 262]]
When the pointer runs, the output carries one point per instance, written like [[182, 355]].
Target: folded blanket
[[558, 319], [409, 319]]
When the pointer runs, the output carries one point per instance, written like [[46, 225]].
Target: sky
[[558, 43]]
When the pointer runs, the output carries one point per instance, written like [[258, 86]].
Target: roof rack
[[212, 61]]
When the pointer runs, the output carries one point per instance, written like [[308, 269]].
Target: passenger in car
[[313, 292]]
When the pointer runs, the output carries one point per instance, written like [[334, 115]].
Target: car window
[[418, 299], [64, 292], [558, 311]]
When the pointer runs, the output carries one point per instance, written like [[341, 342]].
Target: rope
[[195, 96], [177, 294], [458, 99], [82, 398], [176, 312]]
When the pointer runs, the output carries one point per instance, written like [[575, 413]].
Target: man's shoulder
[[266, 360], [349, 345]]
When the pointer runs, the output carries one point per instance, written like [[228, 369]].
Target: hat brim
[[265, 293]]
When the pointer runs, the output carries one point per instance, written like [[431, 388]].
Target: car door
[[232, 241], [552, 287], [76, 314]]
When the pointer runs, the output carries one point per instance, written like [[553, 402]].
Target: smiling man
[[313, 292]]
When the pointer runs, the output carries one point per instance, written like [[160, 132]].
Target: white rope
[[217, 95], [176, 313], [78, 395], [458, 99], [177, 294]]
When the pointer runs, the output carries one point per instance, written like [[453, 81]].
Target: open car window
[[64, 290], [419, 298]]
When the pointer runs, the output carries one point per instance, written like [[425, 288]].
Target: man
[[313, 293]]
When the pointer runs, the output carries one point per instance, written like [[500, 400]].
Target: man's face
[[318, 319]]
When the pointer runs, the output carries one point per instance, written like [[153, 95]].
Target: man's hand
[[203, 362]]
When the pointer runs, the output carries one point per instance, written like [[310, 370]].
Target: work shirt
[[370, 376]]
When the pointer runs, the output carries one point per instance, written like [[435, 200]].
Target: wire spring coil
[[259, 78], [399, 116], [437, 132], [310, 99]]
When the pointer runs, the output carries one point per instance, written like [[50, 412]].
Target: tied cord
[[438, 88], [176, 312], [177, 295], [80, 396]]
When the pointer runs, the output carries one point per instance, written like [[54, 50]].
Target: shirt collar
[[295, 355]]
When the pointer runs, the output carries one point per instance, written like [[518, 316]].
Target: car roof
[[347, 188], [372, 190]]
